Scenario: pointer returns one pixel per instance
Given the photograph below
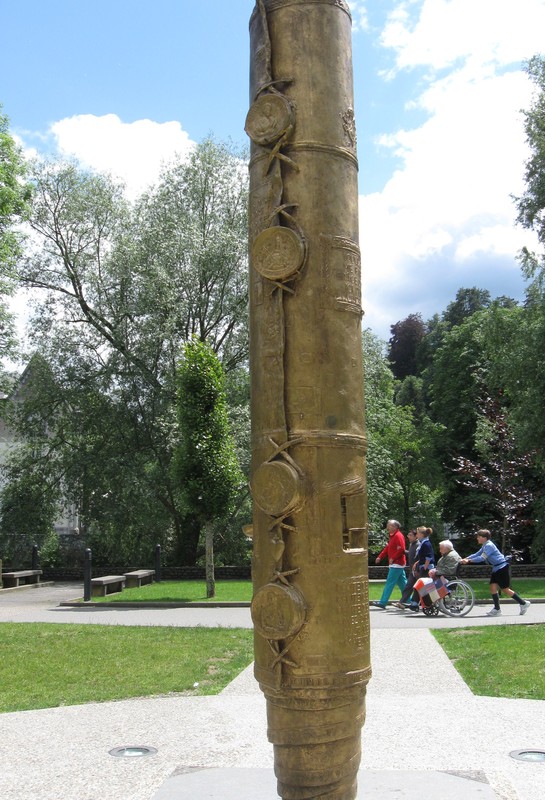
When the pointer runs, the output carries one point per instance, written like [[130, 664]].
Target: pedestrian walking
[[500, 577], [395, 552], [424, 561], [411, 558]]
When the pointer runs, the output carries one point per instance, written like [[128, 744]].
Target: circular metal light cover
[[529, 754], [132, 751]]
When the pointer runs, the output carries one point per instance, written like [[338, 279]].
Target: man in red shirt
[[395, 551]]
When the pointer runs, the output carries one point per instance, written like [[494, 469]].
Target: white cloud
[[446, 219], [496, 239], [358, 9], [132, 151], [480, 31]]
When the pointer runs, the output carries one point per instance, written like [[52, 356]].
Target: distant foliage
[[15, 195], [206, 465], [467, 303], [28, 508], [501, 474], [403, 345], [206, 462]]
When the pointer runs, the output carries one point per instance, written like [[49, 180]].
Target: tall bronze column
[[310, 605]]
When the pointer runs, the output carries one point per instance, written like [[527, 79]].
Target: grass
[[182, 592], [525, 587], [44, 665], [498, 661], [231, 590]]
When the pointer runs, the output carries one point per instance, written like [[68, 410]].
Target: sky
[[440, 86]]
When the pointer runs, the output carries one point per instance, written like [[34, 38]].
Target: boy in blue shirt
[[500, 577]]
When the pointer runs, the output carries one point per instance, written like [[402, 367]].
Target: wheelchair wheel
[[431, 611], [459, 601]]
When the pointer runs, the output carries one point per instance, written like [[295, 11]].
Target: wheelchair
[[457, 603]]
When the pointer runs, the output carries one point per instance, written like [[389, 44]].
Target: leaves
[[207, 466], [502, 471], [118, 289]]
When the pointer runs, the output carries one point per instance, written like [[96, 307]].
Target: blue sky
[[123, 84]]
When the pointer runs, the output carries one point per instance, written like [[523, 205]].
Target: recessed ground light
[[132, 752], [530, 754]]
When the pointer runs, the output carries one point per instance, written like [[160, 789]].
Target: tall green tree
[[526, 370], [28, 509], [121, 289], [402, 479], [501, 474], [206, 463], [406, 336], [531, 204], [14, 205], [466, 303]]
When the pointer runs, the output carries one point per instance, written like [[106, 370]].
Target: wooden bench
[[138, 577], [12, 579], [108, 584]]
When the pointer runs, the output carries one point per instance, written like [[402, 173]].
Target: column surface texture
[[310, 605]]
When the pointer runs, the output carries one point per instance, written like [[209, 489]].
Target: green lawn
[[48, 665], [181, 592], [192, 591], [526, 587], [498, 661]]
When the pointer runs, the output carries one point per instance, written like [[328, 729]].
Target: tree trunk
[[209, 558]]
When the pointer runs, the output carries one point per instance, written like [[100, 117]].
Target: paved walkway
[[422, 721]]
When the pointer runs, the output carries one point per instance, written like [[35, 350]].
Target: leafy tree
[[466, 303], [501, 473], [28, 508], [414, 473], [14, 198], [121, 288], [401, 472], [526, 369], [531, 204], [403, 345], [477, 358], [459, 372], [206, 463], [379, 389], [410, 392], [458, 368]]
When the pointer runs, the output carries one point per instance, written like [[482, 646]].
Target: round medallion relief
[[277, 253], [268, 119], [278, 611], [276, 488]]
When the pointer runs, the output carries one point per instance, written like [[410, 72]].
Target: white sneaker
[[494, 612], [524, 607]]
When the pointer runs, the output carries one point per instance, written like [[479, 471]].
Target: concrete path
[[422, 723], [42, 605]]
